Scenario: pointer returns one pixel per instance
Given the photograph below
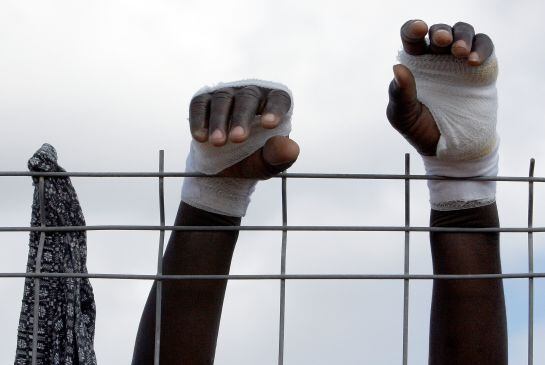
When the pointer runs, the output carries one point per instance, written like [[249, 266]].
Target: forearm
[[443, 99], [239, 133], [463, 253], [190, 252], [191, 308], [468, 322]]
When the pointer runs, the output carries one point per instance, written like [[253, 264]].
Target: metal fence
[[284, 228]]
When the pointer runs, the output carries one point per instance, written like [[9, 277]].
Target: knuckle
[[404, 28], [199, 101], [483, 42], [250, 91], [224, 93], [483, 37], [439, 26], [280, 96], [463, 26], [412, 32], [198, 110]]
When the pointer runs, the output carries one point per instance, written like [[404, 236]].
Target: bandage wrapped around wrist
[[228, 196], [463, 101]]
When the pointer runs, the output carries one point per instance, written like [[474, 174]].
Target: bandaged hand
[[240, 132], [443, 100]]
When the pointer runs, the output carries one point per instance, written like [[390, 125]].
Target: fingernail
[[217, 136], [269, 119], [442, 37], [237, 132], [201, 134], [474, 58], [460, 48], [418, 29]]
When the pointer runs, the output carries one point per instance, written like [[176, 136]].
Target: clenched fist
[[236, 114], [467, 54]]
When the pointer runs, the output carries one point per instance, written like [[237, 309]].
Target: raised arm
[[240, 132], [443, 101]]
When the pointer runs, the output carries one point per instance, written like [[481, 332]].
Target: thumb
[[405, 82], [403, 107], [275, 156], [279, 153], [408, 115]]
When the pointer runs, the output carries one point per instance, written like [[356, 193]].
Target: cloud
[[108, 83]]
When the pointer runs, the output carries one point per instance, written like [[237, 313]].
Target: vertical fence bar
[[407, 259], [283, 271], [159, 285], [531, 266], [38, 269]]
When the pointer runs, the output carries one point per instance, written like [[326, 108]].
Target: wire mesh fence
[[159, 277]]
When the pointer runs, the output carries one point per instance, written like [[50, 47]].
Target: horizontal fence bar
[[278, 277], [290, 175], [275, 228]]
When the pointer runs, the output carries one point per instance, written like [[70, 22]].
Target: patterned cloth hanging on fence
[[66, 324]]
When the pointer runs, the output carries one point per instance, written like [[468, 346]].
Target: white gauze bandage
[[228, 196], [463, 101]]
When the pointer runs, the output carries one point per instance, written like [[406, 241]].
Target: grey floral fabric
[[66, 307]]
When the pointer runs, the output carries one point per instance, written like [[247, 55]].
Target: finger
[[481, 50], [403, 106], [246, 104], [199, 112], [278, 154], [463, 34], [277, 106], [440, 38], [220, 113], [408, 115], [413, 37]]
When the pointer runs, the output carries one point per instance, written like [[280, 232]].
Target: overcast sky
[[108, 84]]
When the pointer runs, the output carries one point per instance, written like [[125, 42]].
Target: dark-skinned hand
[[226, 114], [405, 112]]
